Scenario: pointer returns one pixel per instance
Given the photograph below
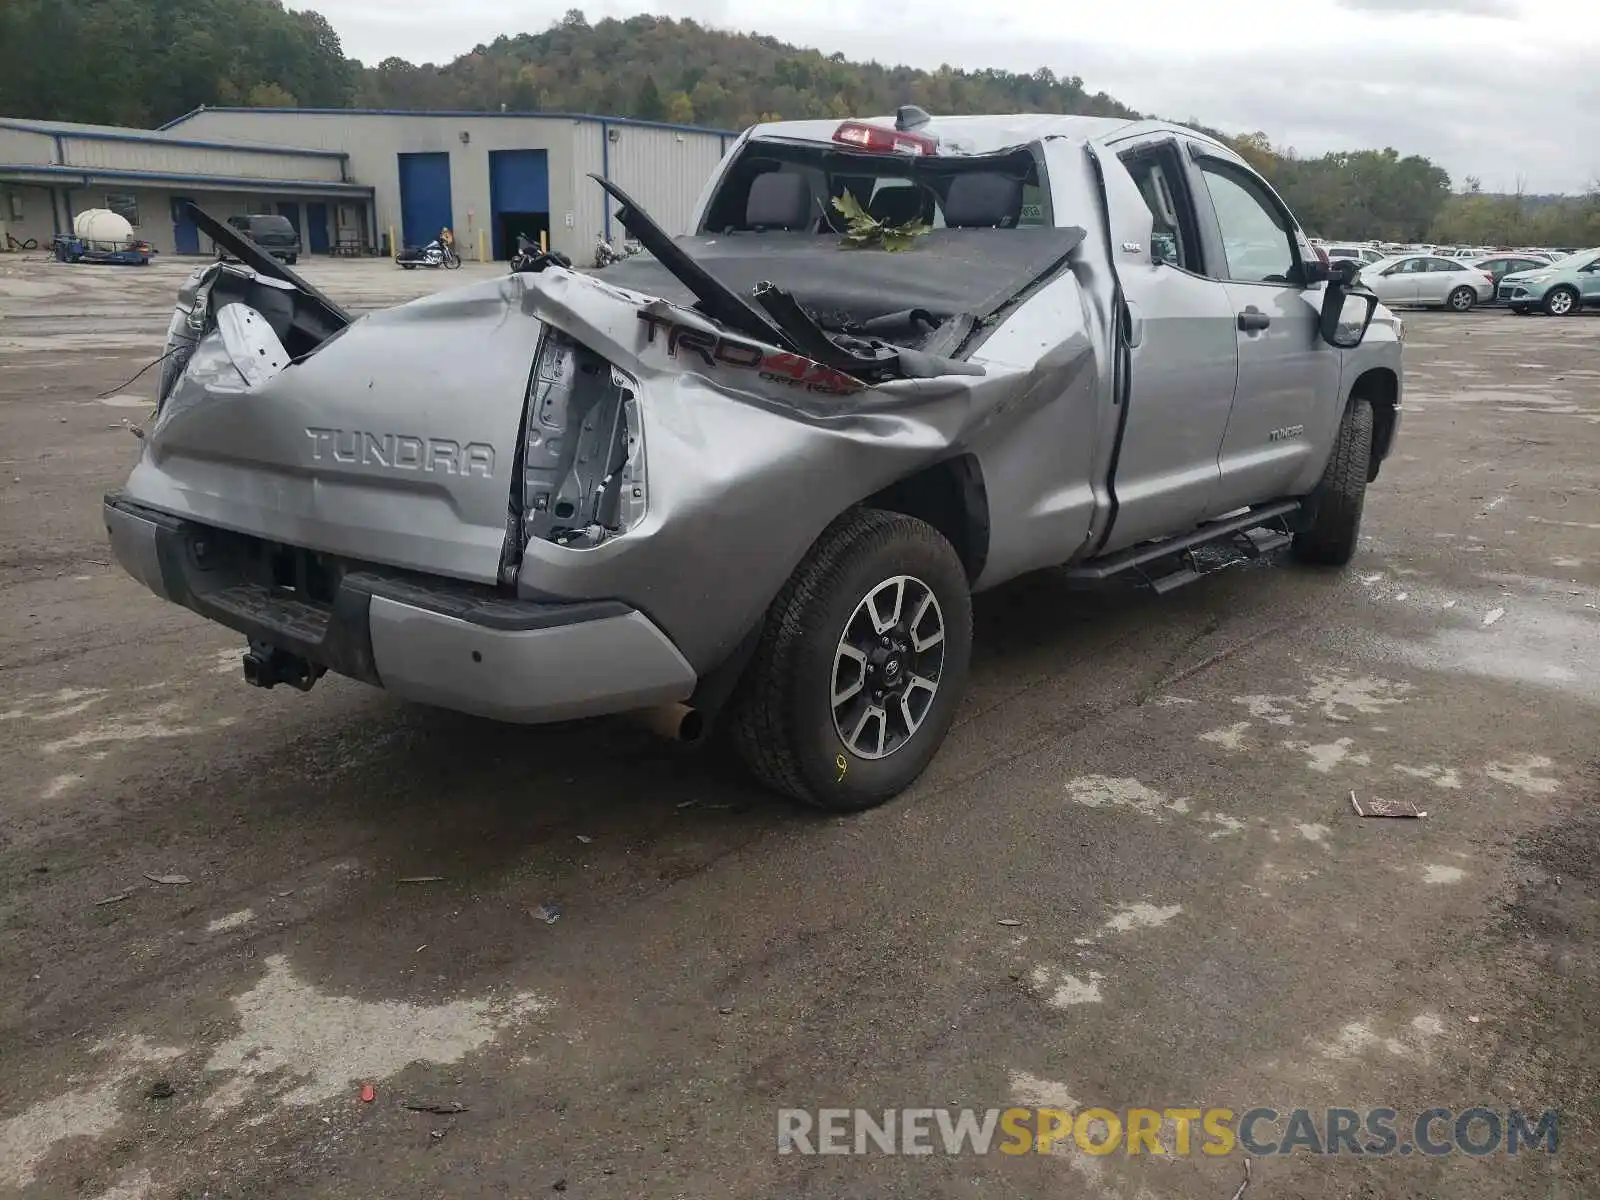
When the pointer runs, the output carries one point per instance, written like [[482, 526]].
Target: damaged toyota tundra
[[754, 475]]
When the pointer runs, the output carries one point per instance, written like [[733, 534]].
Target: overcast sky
[[1508, 90]]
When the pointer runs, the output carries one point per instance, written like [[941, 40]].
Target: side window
[[1258, 249], [1158, 174]]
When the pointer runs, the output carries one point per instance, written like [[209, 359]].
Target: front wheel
[[1462, 299], [860, 666], [1561, 302], [1334, 508], [1520, 310]]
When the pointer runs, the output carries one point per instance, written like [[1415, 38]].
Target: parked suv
[[274, 234], [759, 471], [1560, 289]]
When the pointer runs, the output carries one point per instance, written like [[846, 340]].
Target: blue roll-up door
[[185, 234], [317, 227], [519, 197], [424, 197]]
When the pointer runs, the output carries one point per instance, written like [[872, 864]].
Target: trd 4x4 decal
[[775, 366]]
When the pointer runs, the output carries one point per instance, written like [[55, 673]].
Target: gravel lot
[[1132, 878]]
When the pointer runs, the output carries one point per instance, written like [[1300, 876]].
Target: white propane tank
[[102, 229]]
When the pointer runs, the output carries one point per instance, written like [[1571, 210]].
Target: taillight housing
[[865, 136], [583, 465]]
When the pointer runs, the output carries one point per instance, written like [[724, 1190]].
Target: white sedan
[[1429, 281]]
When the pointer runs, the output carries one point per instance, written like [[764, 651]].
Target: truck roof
[[989, 133]]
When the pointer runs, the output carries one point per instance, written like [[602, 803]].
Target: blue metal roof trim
[[458, 114], [242, 182], [152, 139]]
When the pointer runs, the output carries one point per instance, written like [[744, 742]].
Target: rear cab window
[[270, 224], [895, 188]]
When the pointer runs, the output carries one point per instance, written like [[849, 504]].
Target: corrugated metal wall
[[192, 160], [589, 208], [664, 170], [19, 146]]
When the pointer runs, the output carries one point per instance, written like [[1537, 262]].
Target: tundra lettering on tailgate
[[400, 452]]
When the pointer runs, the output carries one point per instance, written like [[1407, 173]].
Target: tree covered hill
[[662, 69]]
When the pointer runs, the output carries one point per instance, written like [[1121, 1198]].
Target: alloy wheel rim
[[887, 666], [1463, 301], [1560, 303]]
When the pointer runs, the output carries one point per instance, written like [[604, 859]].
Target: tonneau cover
[[947, 271]]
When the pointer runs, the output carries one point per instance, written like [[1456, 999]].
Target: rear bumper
[[428, 639]]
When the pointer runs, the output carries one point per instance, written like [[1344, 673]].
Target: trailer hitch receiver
[[266, 666]]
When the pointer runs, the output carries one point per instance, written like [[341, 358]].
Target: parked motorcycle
[[441, 252], [605, 253], [532, 259]]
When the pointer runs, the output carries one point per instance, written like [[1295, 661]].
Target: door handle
[[1253, 320]]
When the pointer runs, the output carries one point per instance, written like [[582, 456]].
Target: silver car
[[1429, 281], [756, 473]]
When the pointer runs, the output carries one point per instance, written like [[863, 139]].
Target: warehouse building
[[51, 170], [491, 176], [359, 180]]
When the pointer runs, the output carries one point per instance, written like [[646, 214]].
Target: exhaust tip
[[692, 728], [675, 722]]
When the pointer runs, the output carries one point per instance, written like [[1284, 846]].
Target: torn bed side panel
[[750, 463]]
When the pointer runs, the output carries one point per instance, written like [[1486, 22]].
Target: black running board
[[1099, 570]]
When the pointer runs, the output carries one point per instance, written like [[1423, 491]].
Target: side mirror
[[1345, 316], [1340, 272]]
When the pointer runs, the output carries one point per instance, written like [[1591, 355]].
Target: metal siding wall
[[188, 160], [16, 146], [36, 222], [664, 170], [588, 201]]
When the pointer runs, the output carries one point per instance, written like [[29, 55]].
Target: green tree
[[647, 104]]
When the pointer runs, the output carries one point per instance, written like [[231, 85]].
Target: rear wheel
[[1520, 310], [1561, 302], [861, 665], [1462, 299], [1334, 508]]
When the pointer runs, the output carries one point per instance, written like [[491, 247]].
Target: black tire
[[291, 260], [1334, 508], [1462, 300], [1519, 310], [784, 721], [1562, 302], [408, 266]]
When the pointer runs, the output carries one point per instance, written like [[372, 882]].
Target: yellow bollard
[[393, 249], [483, 254], [544, 242]]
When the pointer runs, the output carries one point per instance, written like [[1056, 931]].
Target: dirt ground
[[1132, 878]]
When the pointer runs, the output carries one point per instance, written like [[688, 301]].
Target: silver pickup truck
[[757, 472]]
